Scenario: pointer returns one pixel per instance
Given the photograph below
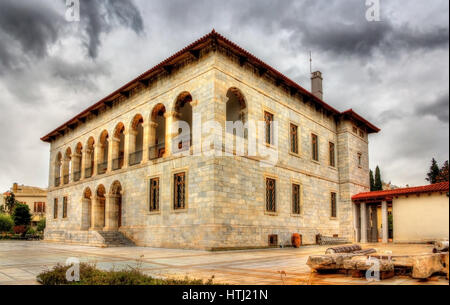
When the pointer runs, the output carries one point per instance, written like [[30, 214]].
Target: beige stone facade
[[103, 163], [34, 197]]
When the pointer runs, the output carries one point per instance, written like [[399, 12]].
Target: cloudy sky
[[394, 72]]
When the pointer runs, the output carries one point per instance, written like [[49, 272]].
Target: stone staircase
[[116, 239]]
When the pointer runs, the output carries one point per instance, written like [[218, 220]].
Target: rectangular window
[[361, 133], [294, 139], [154, 195], [268, 119], [332, 155], [43, 207], [64, 207], [355, 130], [315, 147], [35, 207], [271, 195], [179, 196], [359, 159], [55, 208], [333, 205], [296, 199]]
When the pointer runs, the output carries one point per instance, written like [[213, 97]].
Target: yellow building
[[34, 197], [419, 214]]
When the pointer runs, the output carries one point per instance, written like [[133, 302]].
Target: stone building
[[34, 197], [121, 169]]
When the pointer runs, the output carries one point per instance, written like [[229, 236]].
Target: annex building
[[120, 172]]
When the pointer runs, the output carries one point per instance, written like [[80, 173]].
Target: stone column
[[84, 157], [85, 221], [170, 119], [111, 144], [146, 141], [363, 223], [196, 140], [385, 221], [356, 223], [95, 217], [98, 156], [111, 220], [130, 146]]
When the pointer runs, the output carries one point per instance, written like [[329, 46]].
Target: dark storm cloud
[[438, 109], [29, 29], [99, 17]]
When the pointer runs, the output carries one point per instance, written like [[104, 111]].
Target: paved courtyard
[[20, 262]]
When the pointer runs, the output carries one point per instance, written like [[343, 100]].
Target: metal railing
[[181, 146], [88, 172], [57, 181], [77, 176], [66, 179], [102, 168], [117, 163], [157, 151], [135, 158]]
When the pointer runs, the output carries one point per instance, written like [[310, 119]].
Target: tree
[[433, 173], [41, 225], [372, 181], [443, 173], [10, 202], [21, 215], [6, 223], [378, 186]]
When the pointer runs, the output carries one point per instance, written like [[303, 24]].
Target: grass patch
[[90, 275]]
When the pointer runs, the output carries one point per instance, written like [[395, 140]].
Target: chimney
[[316, 84]]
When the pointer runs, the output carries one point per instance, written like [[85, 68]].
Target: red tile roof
[[190, 49], [389, 194]]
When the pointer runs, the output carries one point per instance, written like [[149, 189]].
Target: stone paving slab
[[21, 261]]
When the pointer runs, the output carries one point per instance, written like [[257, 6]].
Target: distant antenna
[[310, 62]]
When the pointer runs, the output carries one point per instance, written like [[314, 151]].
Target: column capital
[[194, 103], [131, 132], [170, 114]]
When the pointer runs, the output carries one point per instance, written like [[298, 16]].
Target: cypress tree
[[433, 172], [372, 181], [378, 184]]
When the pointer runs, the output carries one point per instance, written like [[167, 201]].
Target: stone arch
[[114, 207], [86, 209], [98, 209], [89, 157], [58, 166], [76, 161], [67, 165], [157, 136], [118, 146], [103, 152], [183, 113], [236, 108], [136, 140]]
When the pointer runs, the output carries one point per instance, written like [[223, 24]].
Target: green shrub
[[6, 223], [41, 225], [21, 215], [31, 231], [90, 275]]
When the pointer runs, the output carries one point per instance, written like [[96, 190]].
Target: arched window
[[90, 155], [58, 164], [236, 113], [103, 153], [67, 165], [98, 211], [118, 147], [183, 109], [136, 140], [76, 161], [86, 209], [158, 133], [114, 216]]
